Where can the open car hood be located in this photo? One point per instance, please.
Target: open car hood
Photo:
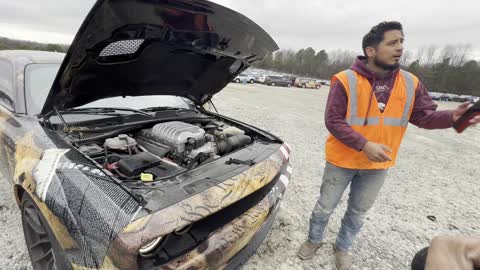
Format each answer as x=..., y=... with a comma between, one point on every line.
x=187, y=48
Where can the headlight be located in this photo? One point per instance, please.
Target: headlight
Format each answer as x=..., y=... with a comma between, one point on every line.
x=148, y=248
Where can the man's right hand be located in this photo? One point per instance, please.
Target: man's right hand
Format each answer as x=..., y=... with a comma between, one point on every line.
x=377, y=152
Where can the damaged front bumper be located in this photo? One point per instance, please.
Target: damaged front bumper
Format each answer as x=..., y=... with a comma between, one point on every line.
x=225, y=224
x=230, y=246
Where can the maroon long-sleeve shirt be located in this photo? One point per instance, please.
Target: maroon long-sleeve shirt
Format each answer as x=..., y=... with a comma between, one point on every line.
x=424, y=113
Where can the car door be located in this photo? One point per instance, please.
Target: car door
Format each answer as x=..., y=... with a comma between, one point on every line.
x=7, y=121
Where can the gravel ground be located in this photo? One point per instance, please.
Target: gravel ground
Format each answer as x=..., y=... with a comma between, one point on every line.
x=435, y=175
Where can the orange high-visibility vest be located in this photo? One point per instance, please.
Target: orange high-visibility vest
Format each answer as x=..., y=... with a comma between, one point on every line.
x=385, y=128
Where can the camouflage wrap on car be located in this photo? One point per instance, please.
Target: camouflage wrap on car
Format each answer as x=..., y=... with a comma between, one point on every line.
x=102, y=226
x=125, y=247
x=85, y=208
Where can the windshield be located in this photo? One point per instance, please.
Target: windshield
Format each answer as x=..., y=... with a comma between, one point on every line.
x=141, y=102
x=38, y=81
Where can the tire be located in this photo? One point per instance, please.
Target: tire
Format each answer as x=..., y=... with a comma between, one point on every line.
x=304, y=86
x=237, y=80
x=272, y=84
x=252, y=81
x=43, y=248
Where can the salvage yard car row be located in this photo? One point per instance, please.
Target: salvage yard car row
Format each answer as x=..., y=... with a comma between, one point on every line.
x=281, y=80
x=453, y=97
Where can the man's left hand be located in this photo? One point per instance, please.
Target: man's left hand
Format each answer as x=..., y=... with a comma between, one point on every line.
x=453, y=253
x=461, y=109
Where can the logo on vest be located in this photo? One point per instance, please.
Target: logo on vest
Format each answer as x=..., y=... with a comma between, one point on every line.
x=381, y=88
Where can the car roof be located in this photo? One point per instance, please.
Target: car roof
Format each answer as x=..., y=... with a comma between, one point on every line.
x=33, y=56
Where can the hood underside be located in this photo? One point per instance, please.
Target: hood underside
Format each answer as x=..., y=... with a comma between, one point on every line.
x=185, y=48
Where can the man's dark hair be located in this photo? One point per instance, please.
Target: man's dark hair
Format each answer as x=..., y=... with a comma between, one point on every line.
x=376, y=34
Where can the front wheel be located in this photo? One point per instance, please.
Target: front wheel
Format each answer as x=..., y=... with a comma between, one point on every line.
x=252, y=81
x=42, y=246
x=272, y=84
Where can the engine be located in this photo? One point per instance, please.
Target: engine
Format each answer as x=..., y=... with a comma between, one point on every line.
x=166, y=149
x=181, y=140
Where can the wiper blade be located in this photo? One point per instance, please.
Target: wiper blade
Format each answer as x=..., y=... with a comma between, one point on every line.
x=105, y=110
x=160, y=108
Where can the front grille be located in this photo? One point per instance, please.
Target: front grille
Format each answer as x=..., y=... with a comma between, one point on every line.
x=175, y=245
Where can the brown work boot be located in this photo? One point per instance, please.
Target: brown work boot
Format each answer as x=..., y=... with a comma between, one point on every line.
x=307, y=250
x=343, y=259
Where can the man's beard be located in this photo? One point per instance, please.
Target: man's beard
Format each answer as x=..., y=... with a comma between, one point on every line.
x=384, y=65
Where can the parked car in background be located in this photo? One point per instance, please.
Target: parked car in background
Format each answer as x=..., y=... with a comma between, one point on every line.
x=244, y=78
x=464, y=98
x=435, y=95
x=261, y=79
x=318, y=84
x=292, y=78
x=324, y=82
x=307, y=83
x=445, y=97
x=275, y=80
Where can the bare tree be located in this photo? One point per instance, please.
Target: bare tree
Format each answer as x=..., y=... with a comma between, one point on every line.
x=446, y=54
x=431, y=51
x=455, y=55
x=461, y=54
x=420, y=55
x=406, y=58
x=341, y=57
x=339, y=60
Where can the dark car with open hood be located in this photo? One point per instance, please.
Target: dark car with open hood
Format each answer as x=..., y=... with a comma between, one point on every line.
x=113, y=160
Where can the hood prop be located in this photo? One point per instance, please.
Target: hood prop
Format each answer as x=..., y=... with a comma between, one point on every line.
x=65, y=125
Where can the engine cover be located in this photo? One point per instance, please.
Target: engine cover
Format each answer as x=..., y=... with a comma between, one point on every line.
x=176, y=135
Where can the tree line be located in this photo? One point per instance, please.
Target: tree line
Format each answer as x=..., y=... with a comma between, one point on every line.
x=12, y=44
x=447, y=70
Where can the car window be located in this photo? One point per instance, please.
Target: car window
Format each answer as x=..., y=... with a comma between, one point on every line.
x=38, y=81
x=6, y=84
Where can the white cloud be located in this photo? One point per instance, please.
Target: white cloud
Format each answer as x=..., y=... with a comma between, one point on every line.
x=25, y=33
x=320, y=24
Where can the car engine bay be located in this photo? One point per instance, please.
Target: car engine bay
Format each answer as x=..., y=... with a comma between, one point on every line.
x=164, y=150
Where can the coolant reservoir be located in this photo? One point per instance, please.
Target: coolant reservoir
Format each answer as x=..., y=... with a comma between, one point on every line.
x=121, y=142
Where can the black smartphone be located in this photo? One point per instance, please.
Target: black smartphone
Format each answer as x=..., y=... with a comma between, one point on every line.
x=463, y=122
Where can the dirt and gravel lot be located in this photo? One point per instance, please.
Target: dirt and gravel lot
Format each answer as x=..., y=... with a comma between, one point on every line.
x=437, y=174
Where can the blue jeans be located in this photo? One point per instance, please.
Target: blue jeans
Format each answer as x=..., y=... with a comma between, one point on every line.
x=364, y=188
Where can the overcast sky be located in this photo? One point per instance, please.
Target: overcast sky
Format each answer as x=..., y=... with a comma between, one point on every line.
x=296, y=24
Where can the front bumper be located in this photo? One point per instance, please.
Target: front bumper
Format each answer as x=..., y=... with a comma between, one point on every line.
x=230, y=246
x=226, y=219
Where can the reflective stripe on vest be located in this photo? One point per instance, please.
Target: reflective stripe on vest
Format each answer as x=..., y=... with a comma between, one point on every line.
x=372, y=121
